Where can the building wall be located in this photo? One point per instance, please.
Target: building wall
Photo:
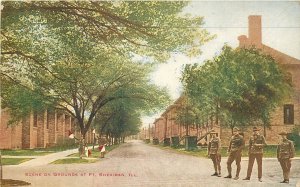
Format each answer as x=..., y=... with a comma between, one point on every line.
x=6, y=140
x=50, y=126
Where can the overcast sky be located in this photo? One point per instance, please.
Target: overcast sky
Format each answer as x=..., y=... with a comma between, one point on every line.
x=228, y=20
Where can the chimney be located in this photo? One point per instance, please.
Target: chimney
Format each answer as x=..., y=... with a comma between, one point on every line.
x=255, y=29
x=243, y=41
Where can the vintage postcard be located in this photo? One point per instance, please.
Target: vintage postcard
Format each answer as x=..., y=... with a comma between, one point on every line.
x=150, y=93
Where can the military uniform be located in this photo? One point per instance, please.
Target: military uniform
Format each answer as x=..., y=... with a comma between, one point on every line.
x=285, y=151
x=256, y=144
x=213, y=152
x=235, y=153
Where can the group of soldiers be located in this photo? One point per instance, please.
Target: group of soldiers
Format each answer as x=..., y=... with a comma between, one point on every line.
x=285, y=152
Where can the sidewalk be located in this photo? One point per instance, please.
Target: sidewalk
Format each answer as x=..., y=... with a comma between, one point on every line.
x=43, y=160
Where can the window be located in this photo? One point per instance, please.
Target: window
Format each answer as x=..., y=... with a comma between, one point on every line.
x=288, y=112
x=48, y=119
x=35, y=120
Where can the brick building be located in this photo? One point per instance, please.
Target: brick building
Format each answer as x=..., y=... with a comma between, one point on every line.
x=285, y=117
x=37, y=130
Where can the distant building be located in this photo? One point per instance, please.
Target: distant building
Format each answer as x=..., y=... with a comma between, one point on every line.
x=285, y=117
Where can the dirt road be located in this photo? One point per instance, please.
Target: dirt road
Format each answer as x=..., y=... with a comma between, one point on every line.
x=138, y=164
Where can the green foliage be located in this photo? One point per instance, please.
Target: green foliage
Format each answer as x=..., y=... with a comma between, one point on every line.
x=25, y=152
x=79, y=56
x=14, y=161
x=239, y=86
x=295, y=137
x=188, y=114
x=119, y=119
x=74, y=161
x=21, y=101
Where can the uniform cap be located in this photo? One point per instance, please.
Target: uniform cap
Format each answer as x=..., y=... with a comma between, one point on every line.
x=256, y=129
x=283, y=133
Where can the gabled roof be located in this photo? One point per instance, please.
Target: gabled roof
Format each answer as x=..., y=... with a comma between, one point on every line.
x=279, y=56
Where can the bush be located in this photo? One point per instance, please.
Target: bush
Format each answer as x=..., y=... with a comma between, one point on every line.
x=295, y=137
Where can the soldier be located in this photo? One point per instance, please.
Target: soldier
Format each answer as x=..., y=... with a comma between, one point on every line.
x=214, y=152
x=285, y=153
x=256, y=144
x=235, y=152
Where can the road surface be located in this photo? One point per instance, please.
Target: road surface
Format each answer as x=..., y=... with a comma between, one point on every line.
x=139, y=164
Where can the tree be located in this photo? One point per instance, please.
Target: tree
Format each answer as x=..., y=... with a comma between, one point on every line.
x=187, y=114
x=78, y=56
x=122, y=118
x=244, y=85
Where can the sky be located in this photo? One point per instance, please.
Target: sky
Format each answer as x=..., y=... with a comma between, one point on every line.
x=228, y=20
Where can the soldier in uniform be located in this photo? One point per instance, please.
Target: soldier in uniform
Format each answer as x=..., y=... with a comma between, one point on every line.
x=235, y=152
x=256, y=144
x=213, y=152
x=285, y=153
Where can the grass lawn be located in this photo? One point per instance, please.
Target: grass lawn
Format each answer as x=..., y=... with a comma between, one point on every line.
x=74, y=161
x=38, y=151
x=25, y=152
x=14, y=161
x=269, y=151
x=11, y=182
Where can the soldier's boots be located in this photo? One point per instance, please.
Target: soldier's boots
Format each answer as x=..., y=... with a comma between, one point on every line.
x=236, y=178
x=215, y=174
x=259, y=179
x=219, y=174
x=285, y=181
x=247, y=178
x=228, y=176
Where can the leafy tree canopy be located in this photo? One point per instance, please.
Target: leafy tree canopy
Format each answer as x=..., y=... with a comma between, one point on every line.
x=240, y=85
x=78, y=56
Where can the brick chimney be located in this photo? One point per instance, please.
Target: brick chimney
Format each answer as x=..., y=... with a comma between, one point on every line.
x=254, y=31
x=243, y=41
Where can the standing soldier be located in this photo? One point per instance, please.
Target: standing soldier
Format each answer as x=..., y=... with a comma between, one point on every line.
x=235, y=152
x=214, y=152
x=256, y=144
x=285, y=153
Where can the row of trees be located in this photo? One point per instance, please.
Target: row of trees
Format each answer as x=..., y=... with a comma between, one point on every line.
x=91, y=59
x=237, y=87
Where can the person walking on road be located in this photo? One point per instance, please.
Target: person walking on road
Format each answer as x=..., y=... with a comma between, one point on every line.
x=256, y=144
x=213, y=149
x=235, y=148
x=285, y=153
